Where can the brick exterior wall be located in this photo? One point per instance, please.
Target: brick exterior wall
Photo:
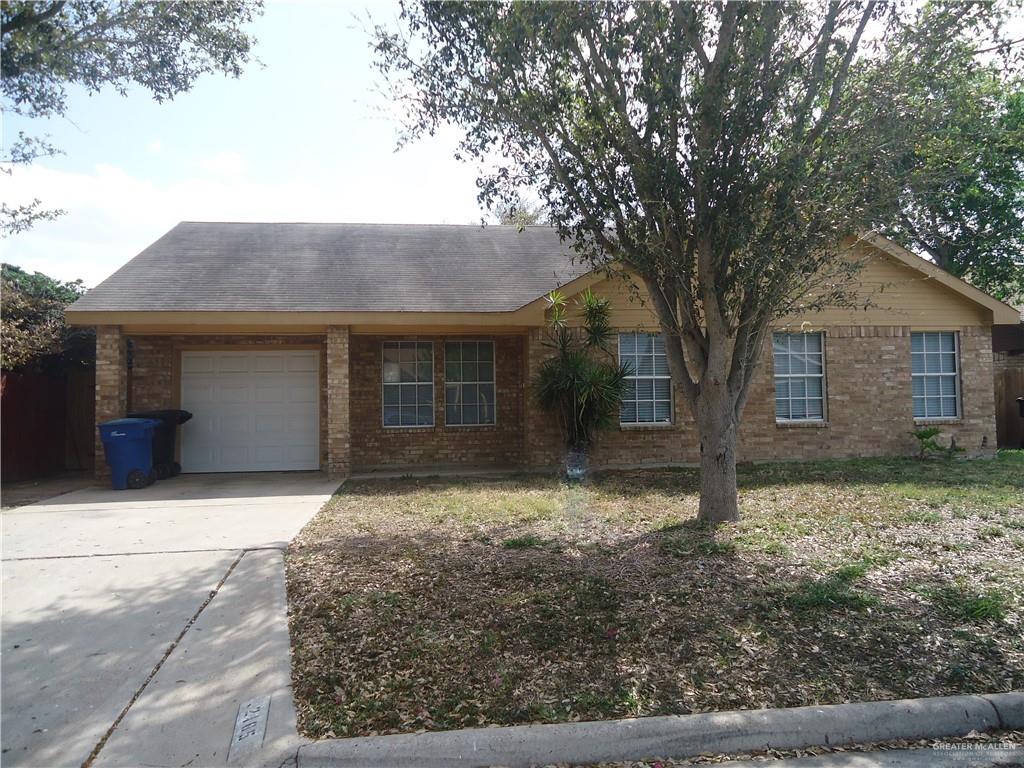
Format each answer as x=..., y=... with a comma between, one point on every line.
x=111, y=385
x=869, y=410
x=155, y=383
x=868, y=387
x=339, y=444
x=374, y=446
x=542, y=441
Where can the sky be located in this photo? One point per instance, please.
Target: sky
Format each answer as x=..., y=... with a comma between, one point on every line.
x=303, y=136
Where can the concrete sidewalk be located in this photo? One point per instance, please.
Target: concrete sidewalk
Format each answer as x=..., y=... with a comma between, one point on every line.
x=136, y=622
x=237, y=650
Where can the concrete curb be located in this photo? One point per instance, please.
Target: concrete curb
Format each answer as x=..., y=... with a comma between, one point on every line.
x=898, y=758
x=1010, y=709
x=675, y=736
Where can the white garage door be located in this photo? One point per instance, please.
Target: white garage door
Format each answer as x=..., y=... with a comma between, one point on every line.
x=251, y=411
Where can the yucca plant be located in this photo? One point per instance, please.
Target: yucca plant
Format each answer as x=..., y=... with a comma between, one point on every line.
x=583, y=383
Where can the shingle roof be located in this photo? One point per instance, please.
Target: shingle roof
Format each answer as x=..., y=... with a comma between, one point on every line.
x=211, y=266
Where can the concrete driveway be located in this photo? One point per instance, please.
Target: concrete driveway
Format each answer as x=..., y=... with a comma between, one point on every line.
x=136, y=622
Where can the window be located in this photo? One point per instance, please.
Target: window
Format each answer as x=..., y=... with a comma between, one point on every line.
x=468, y=383
x=408, y=389
x=799, y=361
x=935, y=375
x=648, y=398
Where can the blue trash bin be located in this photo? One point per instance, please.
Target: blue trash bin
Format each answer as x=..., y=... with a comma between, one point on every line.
x=128, y=445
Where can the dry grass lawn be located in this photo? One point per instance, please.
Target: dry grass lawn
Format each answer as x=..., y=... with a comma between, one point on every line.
x=437, y=603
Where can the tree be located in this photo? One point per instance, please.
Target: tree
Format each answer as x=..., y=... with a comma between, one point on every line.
x=720, y=152
x=963, y=204
x=32, y=317
x=164, y=47
x=519, y=212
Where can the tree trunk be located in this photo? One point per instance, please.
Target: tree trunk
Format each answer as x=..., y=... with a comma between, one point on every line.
x=717, y=425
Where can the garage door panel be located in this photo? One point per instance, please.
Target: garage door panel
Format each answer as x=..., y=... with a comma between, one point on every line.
x=269, y=423
x=198, y=393
x=300, y=424
x=269, y=362
x=232, y=455
x=251, y=410
x=269, y=455
x=273, y=393
x=233, y=393
x=196, y=364
x=308, y=362
x=233, y=362
x=302, y=395
x=300, y=454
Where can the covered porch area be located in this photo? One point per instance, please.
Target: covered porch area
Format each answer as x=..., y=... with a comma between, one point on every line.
x=336, y=398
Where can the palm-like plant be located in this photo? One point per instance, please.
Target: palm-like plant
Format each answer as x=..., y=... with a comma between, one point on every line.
x=583, y=384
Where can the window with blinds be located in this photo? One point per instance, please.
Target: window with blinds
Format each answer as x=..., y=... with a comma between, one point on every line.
x=648, y=398
x=935, y=374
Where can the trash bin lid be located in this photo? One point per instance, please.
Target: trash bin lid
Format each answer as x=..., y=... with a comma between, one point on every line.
x=127, y=426
x=173, y=415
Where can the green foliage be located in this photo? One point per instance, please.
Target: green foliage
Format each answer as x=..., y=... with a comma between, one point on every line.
x=963, y=203
x=926, y=441
x=526, y=541
x=723, y=152
x=970, y=604
x=834, y=591
x=519, y=212
x=582, y=384
x=40, y=287
x=163, y=47
x=929, y=445
x=32, y=317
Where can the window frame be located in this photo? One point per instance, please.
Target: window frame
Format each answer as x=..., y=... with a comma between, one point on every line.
x=385, y=384
x=955, y=375
x=494, y=382
x=823, y=376
x=653, y=378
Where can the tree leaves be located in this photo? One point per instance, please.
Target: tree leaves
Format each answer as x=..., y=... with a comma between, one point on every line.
x=162, y=47
x=725, y=153
x=32, y=316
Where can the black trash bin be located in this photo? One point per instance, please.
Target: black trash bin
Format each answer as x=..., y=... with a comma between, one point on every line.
x=164, y=438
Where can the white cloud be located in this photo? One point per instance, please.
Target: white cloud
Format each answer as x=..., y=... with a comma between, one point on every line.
x=154, y=146
x=112, y=215
x=227, y=164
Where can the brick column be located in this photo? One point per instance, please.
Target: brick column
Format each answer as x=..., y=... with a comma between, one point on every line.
x=976, y=433
x=339, y=440
x=542, y=442
x=111, y=384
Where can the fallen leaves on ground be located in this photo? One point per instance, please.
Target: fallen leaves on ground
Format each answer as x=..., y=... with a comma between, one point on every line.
x=435, y=604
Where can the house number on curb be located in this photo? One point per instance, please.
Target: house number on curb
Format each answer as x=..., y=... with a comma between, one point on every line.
x=250, y=727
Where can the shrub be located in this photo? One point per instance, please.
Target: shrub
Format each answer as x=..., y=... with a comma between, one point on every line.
x=583, y=384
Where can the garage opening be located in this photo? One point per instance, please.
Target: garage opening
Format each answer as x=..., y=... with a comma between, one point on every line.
x=253, y=410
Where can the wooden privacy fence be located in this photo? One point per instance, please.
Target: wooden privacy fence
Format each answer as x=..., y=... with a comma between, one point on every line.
x=1009, y=381
x=46, y=423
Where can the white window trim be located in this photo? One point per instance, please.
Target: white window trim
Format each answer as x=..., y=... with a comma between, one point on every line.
x=823, y=419
x=955, y=375
x=494, y=370
x=671, y=389
x=433, y=383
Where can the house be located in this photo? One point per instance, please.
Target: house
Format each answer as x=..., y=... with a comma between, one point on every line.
x=354, y=347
